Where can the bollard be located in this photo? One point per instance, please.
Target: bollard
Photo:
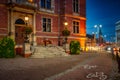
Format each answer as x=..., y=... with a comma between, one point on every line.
x=118, y=61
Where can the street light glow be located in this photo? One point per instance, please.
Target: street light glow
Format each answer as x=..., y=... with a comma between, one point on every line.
x=65, y=23
x=26, y=18
x=100, y=26
x=95, y=26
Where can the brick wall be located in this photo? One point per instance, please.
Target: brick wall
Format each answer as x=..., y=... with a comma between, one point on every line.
x=3, y=1
x=3, y=20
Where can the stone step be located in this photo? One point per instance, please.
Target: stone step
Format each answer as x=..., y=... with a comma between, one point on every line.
x=44, y=52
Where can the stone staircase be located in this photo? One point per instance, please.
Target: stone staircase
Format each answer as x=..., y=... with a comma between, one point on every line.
x=48, y=51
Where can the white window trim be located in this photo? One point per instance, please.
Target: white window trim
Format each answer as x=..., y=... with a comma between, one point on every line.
x=42, y=24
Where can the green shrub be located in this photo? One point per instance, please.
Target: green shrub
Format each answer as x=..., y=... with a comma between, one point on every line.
x=7, y=48
x=74, y=47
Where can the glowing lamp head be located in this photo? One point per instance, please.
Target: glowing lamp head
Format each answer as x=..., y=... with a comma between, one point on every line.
x=66, y=23
x=26, y=18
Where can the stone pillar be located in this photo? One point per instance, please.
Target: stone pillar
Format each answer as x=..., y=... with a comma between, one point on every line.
x=67, y=48
x=11, y=29
x=34, y=29
x=26, y=50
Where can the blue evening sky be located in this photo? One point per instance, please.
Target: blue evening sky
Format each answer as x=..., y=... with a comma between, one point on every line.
x=105, y=13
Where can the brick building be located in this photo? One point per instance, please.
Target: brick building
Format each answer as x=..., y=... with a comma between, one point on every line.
x=46, y=17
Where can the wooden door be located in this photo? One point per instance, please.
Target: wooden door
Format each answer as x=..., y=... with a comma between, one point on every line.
x=19, y=36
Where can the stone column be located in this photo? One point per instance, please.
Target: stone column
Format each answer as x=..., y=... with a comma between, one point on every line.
x=11, y=28
x=66, y=47
x=27, y=52
x=34, y=29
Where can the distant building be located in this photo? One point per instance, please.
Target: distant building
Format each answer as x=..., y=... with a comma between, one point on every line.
x=91, y=40
x=118, y=33
x=46, y=17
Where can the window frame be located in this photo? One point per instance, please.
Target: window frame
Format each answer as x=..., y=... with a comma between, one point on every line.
x=47, y=24
x=75, y=6
x=76, y=27
x=46, y=3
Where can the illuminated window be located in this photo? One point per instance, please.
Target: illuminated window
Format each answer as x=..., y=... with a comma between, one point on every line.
x=75, y=27
x=46, y=24
x=75, y=6
x=46, y=4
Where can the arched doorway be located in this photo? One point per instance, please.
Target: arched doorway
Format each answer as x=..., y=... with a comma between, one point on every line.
x=19, y=35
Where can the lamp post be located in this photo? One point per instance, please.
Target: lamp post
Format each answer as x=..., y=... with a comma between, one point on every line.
x=26, y=36
x=94, y=36
x=65, y=24
x=98, y=32
x=66, y=33
x=27, y=51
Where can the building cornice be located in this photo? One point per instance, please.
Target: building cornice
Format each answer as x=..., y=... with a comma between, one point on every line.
x=24, y=10
x=46, y=13
x=73, y=16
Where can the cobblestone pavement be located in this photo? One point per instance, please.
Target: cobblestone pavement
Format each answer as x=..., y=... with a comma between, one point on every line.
x=86, y=66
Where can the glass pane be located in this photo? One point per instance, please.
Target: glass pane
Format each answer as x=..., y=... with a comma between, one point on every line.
x=44, y=27
x=42, y=4
x=77, y=23
x=77, y=8
x=44, y=20
x=48, y=4
x=48, y=28
x=49, y=20
x=73, y=29
x=77, y=29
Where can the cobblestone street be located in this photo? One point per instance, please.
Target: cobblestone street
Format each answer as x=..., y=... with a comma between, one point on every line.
x=86, y=66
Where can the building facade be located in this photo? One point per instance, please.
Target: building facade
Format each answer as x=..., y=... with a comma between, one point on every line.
x=46, y=17
x=117, y=33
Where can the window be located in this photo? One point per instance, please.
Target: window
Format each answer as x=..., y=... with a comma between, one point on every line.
x=46, y=4
x=46, y=25
x=18, y=1
x=21, y=1
x=75, y=27
x=75, y=6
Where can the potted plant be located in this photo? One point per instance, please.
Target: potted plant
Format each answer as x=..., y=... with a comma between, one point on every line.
x=27, y=31
x=66, y=33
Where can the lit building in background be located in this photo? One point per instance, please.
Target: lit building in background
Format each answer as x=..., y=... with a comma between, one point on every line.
x=118, y=33
x=46, y=17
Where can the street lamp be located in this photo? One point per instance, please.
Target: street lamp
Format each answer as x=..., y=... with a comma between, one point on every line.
x=94, y=36
x=65, y=32
x=26, y=19
x=26, y=36
x=98, y=32
x=65, y=23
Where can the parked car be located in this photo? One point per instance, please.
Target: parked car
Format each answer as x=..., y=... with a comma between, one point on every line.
x=109, y=49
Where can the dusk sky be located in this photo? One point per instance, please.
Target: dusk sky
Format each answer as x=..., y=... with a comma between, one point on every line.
x=105, y=13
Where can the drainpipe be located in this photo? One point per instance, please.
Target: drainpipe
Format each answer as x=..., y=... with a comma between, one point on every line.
x=58, y=22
